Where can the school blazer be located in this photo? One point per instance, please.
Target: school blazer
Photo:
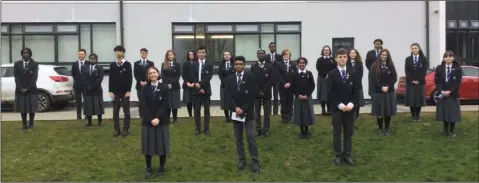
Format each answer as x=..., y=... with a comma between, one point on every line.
x=185, y=74
x=358, y=70
x=370, y=58
x=454, y=82
x=140, y=71
x=243, y=98
x=93, y=80
x=206, y=75
x=78, y=80
x=264, y=79
x=387, y=77
x=154, y=104
x=25, y=78
x=277, y=58
x=342, y=91
x=284, y=75
x=223, y=74
x=303, y=84
x=416, y=72
x=171, y=75
x=324, y=66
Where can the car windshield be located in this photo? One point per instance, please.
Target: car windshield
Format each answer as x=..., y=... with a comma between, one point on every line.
x=62, y=71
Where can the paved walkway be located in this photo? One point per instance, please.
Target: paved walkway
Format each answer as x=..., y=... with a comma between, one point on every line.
x=70, y=113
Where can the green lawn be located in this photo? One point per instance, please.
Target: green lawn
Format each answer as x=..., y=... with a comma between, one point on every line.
x=65, y=151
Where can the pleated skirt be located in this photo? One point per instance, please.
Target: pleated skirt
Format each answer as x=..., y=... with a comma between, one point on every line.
x=27, y=103
x=93, y=106
x=224, y=103
x=322, y=90
x=187, y=96
x=155, y=140
x=448, y=109
x=415, y=96
x=303, y=113
x=384, y=104
x=174, y=99
x=361, y=98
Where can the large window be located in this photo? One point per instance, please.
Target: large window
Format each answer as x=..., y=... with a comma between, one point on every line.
x=240, y=38
x=58, y=42
x=463, y=38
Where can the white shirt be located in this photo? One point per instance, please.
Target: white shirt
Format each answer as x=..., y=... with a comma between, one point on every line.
x=377, y=52
x=353, y=63
x=326, y=57
x=272, y=55
x=143, y=61
x=415, y=58
x=341, y=105
x=121, y=62
x=261, y=64
x=450, y=70
x=80, y=63
x=301, y=71
x=240, y=78
x=200, y=67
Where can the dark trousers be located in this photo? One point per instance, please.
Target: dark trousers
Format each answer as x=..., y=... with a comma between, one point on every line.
x=238, y=128
x=286, y=104
x=78, y=100
x=275, y=98
x=138, y=93
x=343, y=122
x=198, y=101
x=121, y=101
x=267, y=113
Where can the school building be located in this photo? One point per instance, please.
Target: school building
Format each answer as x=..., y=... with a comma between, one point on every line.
x=55, y=30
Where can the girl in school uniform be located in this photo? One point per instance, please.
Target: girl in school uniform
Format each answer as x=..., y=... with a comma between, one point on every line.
x=303, y=85
x=448, y=78
x=25, y=72
x=382, y=77
x=324, y=65
x=190, y=58
x=356, y=63
x=226, y=69
x=171, y=73
x=93, y=91
x=416, y=67
x=155, y=133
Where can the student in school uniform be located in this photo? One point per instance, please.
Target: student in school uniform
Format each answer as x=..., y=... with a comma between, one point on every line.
x=448, y=78
x=356, y=63
x=201, y=74
x=382, y=77
x=226, y=69
x=139, y=69
x=171, y=73
x=264, y=72
x=119, y=89
x=303, y=86
x=187, y=87
x=25, y=72
x=286, y=69
x=155, y=133
x=242, y=93
x=416, y=67
x=93, y=74
x=272, y=57
x=371, y=57
x=78, y=80
x=324, y=65
x=343, y=88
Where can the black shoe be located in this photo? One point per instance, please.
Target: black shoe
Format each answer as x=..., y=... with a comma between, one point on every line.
x=79, y=118
x=323, y=112
x=266, y=134
x=207, y=132
x=87, y=125
x=380, y=132
x=308, y=135
x=255, y=167
x=386, y=132
x=148, y=173
x=240, y=165
x=197, y=132
x=30, y=127
x=418, y=118
x=100, y=125
x=337, y=160
x=348, y=160
x=24, y=128
x=116, y=134
x=161, y=172
x=125, y=133
x=258, y=133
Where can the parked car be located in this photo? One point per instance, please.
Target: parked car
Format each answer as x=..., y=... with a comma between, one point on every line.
x=469, y=90
x=55, y=86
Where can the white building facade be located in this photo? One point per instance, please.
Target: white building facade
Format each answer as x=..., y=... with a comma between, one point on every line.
x=56, y=30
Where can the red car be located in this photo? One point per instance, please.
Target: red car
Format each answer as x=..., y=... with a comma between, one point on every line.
x=469, y=90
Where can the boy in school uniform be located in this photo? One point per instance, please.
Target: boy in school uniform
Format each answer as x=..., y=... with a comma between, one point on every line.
x=263, y=71
x=343, y=88
x=139, y=70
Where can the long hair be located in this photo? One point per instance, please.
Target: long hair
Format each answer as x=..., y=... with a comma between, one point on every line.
x=377, y=64
x=287, y=50
x=358, y=56
x=28, y=50
x=421, y=53
x=165, y=63
x=324, y=47
x=231, y=59
x=148, y=71
x=188, y=56
x=449, y=54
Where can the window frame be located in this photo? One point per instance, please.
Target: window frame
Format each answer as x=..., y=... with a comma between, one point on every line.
x=55, y=33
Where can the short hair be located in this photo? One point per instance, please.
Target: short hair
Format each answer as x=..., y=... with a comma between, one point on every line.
x=341, y=52
x=119, y=48
x=201, y=47
x=449, y=54
x=28, y=50
x=82, y=50
x=93, y=55
x=144, y=50
x=303, y=59
x=271, y=44
x=378, y=40
x=240, y=58
x=260, y=50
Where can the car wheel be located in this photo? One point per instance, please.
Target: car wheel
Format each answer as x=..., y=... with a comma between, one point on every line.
x=44, y=102
x=433, y=99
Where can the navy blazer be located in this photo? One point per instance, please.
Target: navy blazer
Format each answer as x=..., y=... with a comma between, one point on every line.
x=225, y=73
x=93, y=80
x=245, y=96
x=416, y=72
x=140, y=71
x=264, y=79
x=284, y=75
x=342, y=91
x=172, y=75
x=206, y=75
x=358, y=70
x=25, y=78
x=154, y=104
x=78, y=79
x=454, y=81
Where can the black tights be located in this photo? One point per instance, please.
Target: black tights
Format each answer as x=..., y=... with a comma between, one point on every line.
x=174, y=112
x=89, y=118
x=357, y=111
x=227, y=114
x=162, y=162
x=325, y=106
x=304, y=129
x=449, y=127
x=415, y=111
x=387, y=122
x=189, y=107
x=24, y=119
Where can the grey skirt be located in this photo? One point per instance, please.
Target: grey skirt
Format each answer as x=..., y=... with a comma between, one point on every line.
x=174, y=99
x=415, y=96
x=361, y=98
x=224, y=104
x=187, y=96
x=322, y=90
x=27, y=103
x=93, y=105
x=448, y=109
x=303, y=113
x=384, y=104
x=155, y=140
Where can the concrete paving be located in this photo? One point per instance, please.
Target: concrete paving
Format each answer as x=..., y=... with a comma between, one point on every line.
x=70, y=113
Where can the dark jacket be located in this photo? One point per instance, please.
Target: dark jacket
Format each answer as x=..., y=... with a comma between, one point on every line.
x=324, y=66
x=121, y=78
x=264, y=79
x=387, y=77
x=78, y=80
x=224, y=73
x=154, y=104
x=172, y=75
x=244, y=98
x=140, y=71
x=342, y=91
x=303, y=83
x=358, y=70
x=371, y=58
x=455, y=79
x=277, y=58
x=284, y=75
x=25, y=78
x=186, y=72
x=93, y=80
x=416, y=72
x=206, y=75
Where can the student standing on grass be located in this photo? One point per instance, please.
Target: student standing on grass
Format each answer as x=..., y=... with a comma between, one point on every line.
x=78, y=80
x=187, y=86
x=155, y=133
x=324, y=65
x=25, y=72
x=226, y=69
x=93, y=91
x=286, y=69
x=171, y=73
x=382, y=78
x=371, y=57
x=273, y=58
x=303, y=85
x=264, y=72
x=119, y=88
x=448, y=78
x=356, y=63
x=139, y=69
x=416, y=67
x=242, y=92
x=343, y=89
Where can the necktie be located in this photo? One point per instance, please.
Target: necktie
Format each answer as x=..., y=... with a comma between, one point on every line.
x=153, y=88
x=377, y=53
x=227, y=65
x=119, y=64
x=171, y=64
x=25, y=65
x=287, y=66
x=143, y=63
x=81, y=66
x=353, y=63
x=343, y=74
x=239, y=80
x=91, y=69
x=272, y=57
x=448, y=73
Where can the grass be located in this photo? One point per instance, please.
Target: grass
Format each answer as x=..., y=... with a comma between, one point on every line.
x=65, y=151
